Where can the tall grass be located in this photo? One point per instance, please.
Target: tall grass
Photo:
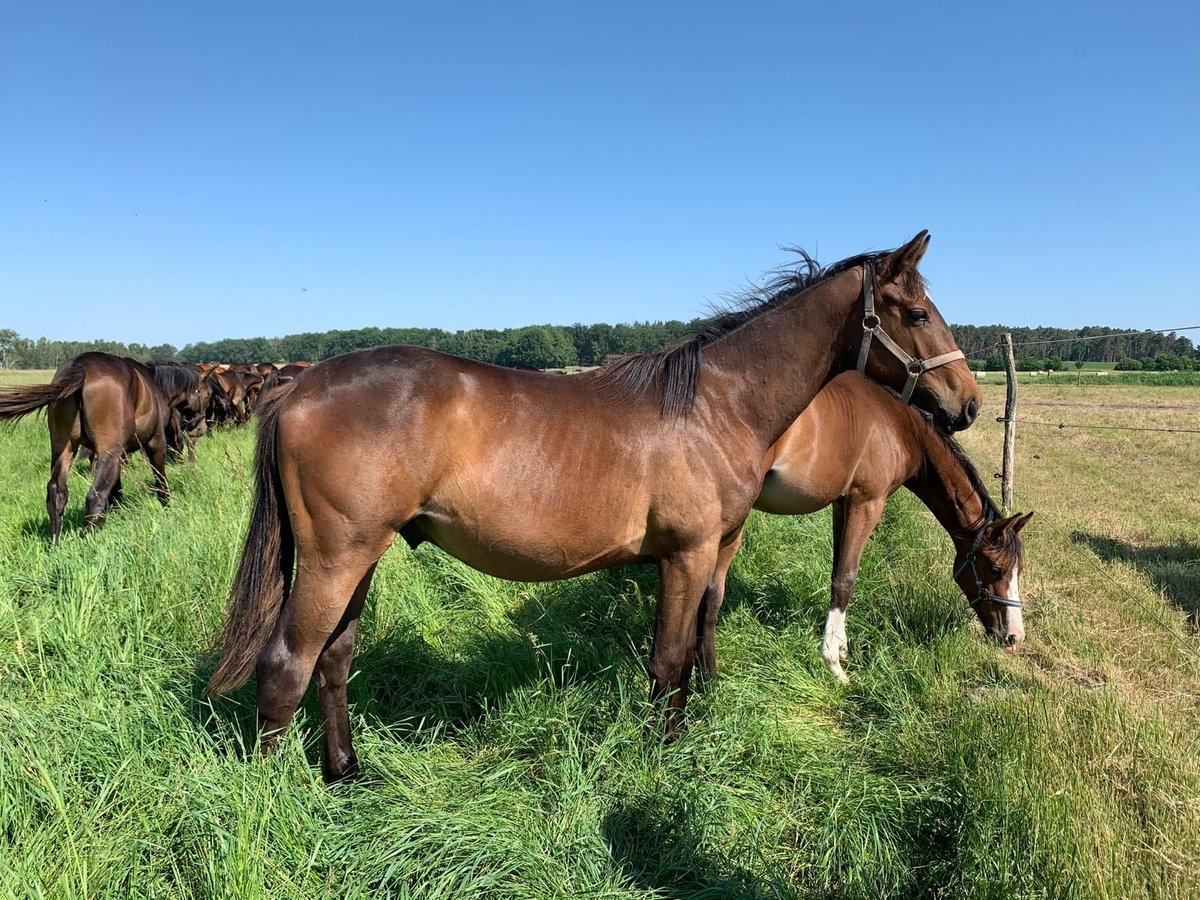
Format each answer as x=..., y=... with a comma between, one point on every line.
x=507, y=746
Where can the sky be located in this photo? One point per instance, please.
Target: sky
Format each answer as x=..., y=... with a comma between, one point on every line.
x=181, y=172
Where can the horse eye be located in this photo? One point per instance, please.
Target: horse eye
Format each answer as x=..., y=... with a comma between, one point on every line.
x=918, y=315
x=996, y=573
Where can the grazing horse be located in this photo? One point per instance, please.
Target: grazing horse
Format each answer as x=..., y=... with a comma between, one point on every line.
x=188, y=421
x=536, y=477
x=109, y=405
x=854, y=447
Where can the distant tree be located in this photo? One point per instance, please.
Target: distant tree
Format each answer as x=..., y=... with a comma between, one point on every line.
x=163, y=351
x=1128, y=364
x=1030, y=364
x=994, y=363
x=539, y=347
x=1078, y=364
x=1054, y=364
x=8, y=346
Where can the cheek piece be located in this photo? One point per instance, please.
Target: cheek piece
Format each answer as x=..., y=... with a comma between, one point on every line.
x=873, y=330
x=983, y=594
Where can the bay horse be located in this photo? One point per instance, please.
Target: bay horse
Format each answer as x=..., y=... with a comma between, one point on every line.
x=852, y=448
x=536, y=477
x=110, y=405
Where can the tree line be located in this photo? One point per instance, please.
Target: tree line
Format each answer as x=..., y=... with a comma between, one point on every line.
x=556, y=346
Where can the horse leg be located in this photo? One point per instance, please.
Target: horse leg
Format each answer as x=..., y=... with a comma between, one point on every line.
x=710, y=608
x=64, y=439
x=682, y=579
x=107, y=468
x=156, y=453
x=333, y=670
x=853, y=522
x=308, y=625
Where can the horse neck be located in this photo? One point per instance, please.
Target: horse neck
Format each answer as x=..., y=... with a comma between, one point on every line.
x=770, y=368
x=943, y=485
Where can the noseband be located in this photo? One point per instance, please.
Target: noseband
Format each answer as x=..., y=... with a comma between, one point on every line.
x=969, y=560
x=872, y=329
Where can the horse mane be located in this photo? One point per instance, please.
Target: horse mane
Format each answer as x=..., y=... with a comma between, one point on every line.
x=675, y=372
x=173, y=376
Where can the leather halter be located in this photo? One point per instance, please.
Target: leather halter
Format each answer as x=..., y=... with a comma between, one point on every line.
x=872, y=329
x=983, y=594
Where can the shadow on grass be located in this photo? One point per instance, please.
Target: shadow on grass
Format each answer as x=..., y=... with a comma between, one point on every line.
x=39, y=526
x=1172, y=568
x=582, y=629
x=660, y=847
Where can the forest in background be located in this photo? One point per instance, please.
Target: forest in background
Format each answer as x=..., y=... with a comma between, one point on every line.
x=556, y=346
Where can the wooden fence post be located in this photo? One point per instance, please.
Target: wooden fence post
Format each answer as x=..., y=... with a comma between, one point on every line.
x=1010, y=425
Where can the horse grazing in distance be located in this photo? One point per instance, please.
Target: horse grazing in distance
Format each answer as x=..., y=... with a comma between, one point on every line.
x=854, y=447
x=110, y=405
x=187, y=423
x=536, y=477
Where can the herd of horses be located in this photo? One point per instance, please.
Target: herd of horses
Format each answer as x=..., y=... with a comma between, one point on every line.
x=831, y=387
x=104, y=407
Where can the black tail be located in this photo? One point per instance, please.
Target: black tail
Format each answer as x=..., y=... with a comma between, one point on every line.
x=264, y=576
x=21, y=401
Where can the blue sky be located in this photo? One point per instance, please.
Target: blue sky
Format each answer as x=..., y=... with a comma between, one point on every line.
x=183, y=172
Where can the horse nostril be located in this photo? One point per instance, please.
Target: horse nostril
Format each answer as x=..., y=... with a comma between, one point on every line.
x=972, y=409
x=1010, y=641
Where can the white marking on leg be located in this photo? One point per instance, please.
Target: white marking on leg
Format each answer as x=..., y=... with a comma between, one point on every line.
x=1014, y=623
x=833, y=647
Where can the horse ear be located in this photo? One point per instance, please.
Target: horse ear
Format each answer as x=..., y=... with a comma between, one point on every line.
x=1021, y=521
x=905, y=258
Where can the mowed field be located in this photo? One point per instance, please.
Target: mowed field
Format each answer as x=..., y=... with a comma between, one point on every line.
x=507, y=745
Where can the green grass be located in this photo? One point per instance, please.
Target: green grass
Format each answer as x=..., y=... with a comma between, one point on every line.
x=507, y=746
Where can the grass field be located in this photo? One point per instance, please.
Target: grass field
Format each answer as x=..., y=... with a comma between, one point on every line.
x=503, y=731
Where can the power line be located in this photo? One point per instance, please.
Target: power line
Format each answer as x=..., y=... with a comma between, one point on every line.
x=1098, y=337
x=1091, y=337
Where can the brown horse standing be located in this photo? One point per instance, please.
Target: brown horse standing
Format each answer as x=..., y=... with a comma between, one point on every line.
x=854, y=447
x=537, y=477
x=110, y=405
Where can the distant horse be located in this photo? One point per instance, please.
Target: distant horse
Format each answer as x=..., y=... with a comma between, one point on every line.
x=188, y=422
x=536, y=477
x=232, y=390
x=110, y=405
x=251, y=381
x=854, y=447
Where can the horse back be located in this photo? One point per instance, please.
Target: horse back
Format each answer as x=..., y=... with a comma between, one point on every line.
x=559, y=477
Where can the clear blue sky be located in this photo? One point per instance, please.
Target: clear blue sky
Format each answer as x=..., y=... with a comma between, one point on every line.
x=181, y=172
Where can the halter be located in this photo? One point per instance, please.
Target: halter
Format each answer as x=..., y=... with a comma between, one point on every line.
x=983, y=591
x=873, y=329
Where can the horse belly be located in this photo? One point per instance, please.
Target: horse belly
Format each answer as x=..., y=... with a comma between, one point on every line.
x=797, y=491
x=512, y=546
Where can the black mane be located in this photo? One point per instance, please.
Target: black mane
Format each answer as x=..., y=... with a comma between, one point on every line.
x=173, y=376
x=1012, y=547
x=674, y=372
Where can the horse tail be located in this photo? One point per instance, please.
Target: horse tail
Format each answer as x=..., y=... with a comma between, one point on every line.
x=21, y=401
x=264, y=577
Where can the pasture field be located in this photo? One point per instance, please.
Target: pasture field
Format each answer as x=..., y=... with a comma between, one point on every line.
x=503, y=730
